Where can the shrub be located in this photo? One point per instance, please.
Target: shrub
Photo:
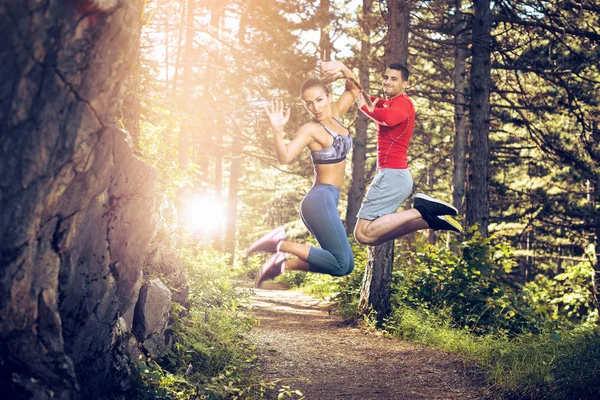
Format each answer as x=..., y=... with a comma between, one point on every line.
x=473, y=284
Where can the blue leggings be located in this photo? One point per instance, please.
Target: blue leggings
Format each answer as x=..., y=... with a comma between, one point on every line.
x=319, y=213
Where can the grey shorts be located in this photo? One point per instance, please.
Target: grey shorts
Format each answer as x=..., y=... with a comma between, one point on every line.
x=389, y=189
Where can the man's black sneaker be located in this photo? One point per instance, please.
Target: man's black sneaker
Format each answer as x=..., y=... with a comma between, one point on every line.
x=432, y=207
x=444, y=223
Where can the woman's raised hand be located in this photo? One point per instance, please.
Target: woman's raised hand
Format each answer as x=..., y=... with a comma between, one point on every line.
x=331, y=68
x=331, y=71
x=277, y=116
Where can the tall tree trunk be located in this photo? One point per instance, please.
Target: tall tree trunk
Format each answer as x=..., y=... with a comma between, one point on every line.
x=217, y=116
x=209, y=141
x=359, y=150
x=377, y=281
x=178, y=54
x=236, y=170
x=234, y=186
x=325, y=46
x=375, y=289
x=431, y=235
x=596, y=260
x=186, y=128
x=398, y=24
x=461, y=52
x=477, y=198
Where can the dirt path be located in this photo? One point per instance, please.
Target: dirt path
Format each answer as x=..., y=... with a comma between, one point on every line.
x=299, y=340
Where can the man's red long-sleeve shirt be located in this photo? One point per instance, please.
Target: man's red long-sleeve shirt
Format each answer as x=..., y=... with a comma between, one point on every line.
x=395, y=123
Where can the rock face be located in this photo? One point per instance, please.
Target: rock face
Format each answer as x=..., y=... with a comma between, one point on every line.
x=152, y=316
x=162, y=261
x=76, y=220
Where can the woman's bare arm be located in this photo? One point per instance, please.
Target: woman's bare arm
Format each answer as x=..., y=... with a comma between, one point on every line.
x=278, y=118
x=338, y=70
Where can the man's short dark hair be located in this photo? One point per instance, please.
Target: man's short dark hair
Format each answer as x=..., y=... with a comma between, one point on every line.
x=402, y=68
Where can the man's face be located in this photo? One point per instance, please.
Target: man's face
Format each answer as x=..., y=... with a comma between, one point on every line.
x=393, y=84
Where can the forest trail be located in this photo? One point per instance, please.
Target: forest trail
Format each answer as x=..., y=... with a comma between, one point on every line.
x=304, y=346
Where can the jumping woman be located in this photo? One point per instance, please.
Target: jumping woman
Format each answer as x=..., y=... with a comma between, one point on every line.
x=329, y=143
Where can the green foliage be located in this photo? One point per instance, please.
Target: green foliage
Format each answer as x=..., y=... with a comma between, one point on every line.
x=472, y=284
x=287, y=392
x=555, y=365
x=567, y=297
x=211, y=357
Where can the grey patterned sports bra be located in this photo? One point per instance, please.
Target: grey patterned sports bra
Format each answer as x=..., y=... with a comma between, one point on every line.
x=335, y=153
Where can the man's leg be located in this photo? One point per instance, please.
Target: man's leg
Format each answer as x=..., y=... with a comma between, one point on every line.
x=388, y=227
x=373, y=233
x=378, y=220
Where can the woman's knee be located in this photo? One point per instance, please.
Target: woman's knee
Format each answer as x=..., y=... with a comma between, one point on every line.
x=350, y=266
x=345, y=267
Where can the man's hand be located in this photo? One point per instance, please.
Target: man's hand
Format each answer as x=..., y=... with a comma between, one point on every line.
x=365, y=100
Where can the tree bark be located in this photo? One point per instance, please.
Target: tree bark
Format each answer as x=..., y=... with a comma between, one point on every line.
x=217, y=115
x=461, y=52
x=209, y=138
x=230, y=242
x=376, y=287
x=477, y=197
x=596, y=260
x=375, y=291
x=232, y=202
x=398, y=26
x=325, y=46
x=359, y=150
x=185, y=138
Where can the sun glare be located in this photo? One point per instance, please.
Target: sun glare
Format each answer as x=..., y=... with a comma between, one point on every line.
x=205, y=214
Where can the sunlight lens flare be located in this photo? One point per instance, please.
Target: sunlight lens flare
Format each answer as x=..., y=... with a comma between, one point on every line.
x=204, y=214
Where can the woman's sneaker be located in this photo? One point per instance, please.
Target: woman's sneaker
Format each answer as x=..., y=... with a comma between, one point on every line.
x=270, y=269
x=433, y=207
x=268, y=242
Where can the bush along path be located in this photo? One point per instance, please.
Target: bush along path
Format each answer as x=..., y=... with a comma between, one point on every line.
x=309, y=353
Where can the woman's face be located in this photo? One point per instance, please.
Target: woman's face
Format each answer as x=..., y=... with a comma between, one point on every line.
x=316, y=101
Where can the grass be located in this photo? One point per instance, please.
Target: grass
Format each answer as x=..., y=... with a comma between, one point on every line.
x=564, y=365
x=212, y=356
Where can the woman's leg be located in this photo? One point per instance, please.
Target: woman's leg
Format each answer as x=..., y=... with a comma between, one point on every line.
x=295, y=264
x=319, y=212
x=298, y=249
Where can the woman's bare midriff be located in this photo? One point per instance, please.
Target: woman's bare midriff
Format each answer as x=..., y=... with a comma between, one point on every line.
x=330, y=174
